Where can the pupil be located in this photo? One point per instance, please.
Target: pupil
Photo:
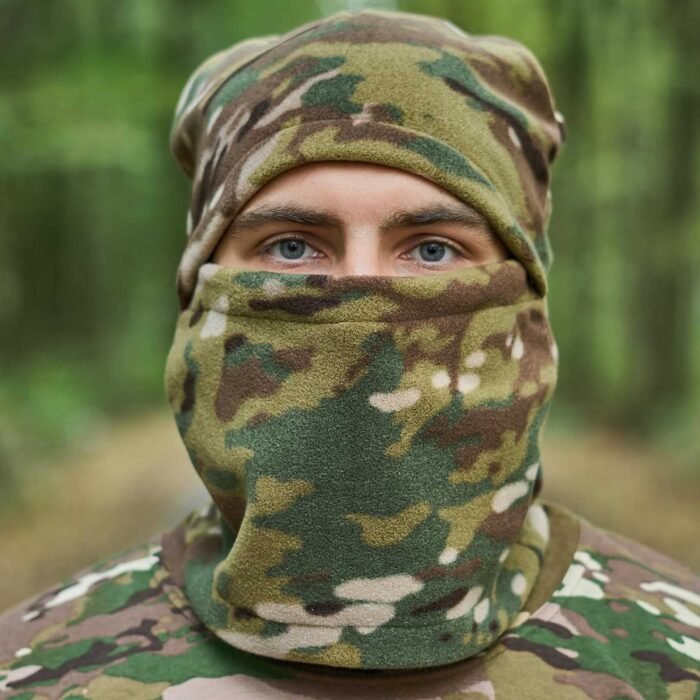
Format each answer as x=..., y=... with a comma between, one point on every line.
x=432, y=251
x=294, y=248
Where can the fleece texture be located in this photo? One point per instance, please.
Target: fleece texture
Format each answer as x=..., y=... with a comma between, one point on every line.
x=371, y=447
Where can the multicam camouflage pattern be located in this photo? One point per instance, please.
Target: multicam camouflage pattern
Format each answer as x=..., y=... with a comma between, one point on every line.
x=617, y=621
x=473, y=114
x=371, y=444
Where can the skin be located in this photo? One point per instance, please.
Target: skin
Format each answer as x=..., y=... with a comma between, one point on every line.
x=342, y=218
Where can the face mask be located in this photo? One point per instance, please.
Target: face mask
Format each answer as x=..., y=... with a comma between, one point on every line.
x=371, y=448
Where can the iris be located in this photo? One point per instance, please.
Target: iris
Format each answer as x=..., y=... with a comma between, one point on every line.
x=432, y=251
x=295, y=248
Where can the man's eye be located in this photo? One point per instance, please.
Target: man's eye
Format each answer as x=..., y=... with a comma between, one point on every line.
x=289, y=249
x=433, y=252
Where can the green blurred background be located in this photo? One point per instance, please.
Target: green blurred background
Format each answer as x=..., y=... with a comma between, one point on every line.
x=92, y=223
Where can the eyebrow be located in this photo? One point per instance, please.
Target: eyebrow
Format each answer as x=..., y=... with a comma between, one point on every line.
x=461, y=214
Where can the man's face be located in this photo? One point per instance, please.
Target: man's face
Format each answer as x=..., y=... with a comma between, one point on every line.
x=356, y=219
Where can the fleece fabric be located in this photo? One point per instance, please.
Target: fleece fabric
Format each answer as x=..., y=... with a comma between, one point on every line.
x=371, y=446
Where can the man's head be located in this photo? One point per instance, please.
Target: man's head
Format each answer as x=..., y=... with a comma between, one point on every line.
x=470, y=116
x=368, y=434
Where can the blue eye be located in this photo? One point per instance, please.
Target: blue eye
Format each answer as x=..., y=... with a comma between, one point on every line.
x=291, y=248
x=432, y=251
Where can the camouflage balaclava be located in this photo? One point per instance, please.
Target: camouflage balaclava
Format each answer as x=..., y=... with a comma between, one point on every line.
x=370, y=443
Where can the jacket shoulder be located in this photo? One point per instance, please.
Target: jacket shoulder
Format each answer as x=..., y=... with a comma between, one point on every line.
x=123, y=628
x=624, y=621
x=80, y=632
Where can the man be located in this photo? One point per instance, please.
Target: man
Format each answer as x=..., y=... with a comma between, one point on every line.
x=360, y=373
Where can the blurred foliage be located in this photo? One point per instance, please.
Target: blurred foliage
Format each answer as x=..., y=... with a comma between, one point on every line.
x=93, y=206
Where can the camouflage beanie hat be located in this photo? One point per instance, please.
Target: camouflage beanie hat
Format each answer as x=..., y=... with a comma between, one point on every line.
x=473, y=114
x=370, y=443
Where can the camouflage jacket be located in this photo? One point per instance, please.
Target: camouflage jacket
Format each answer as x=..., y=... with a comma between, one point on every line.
x=608, y=618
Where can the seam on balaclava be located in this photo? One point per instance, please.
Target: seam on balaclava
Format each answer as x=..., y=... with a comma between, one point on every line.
x=397, y=322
